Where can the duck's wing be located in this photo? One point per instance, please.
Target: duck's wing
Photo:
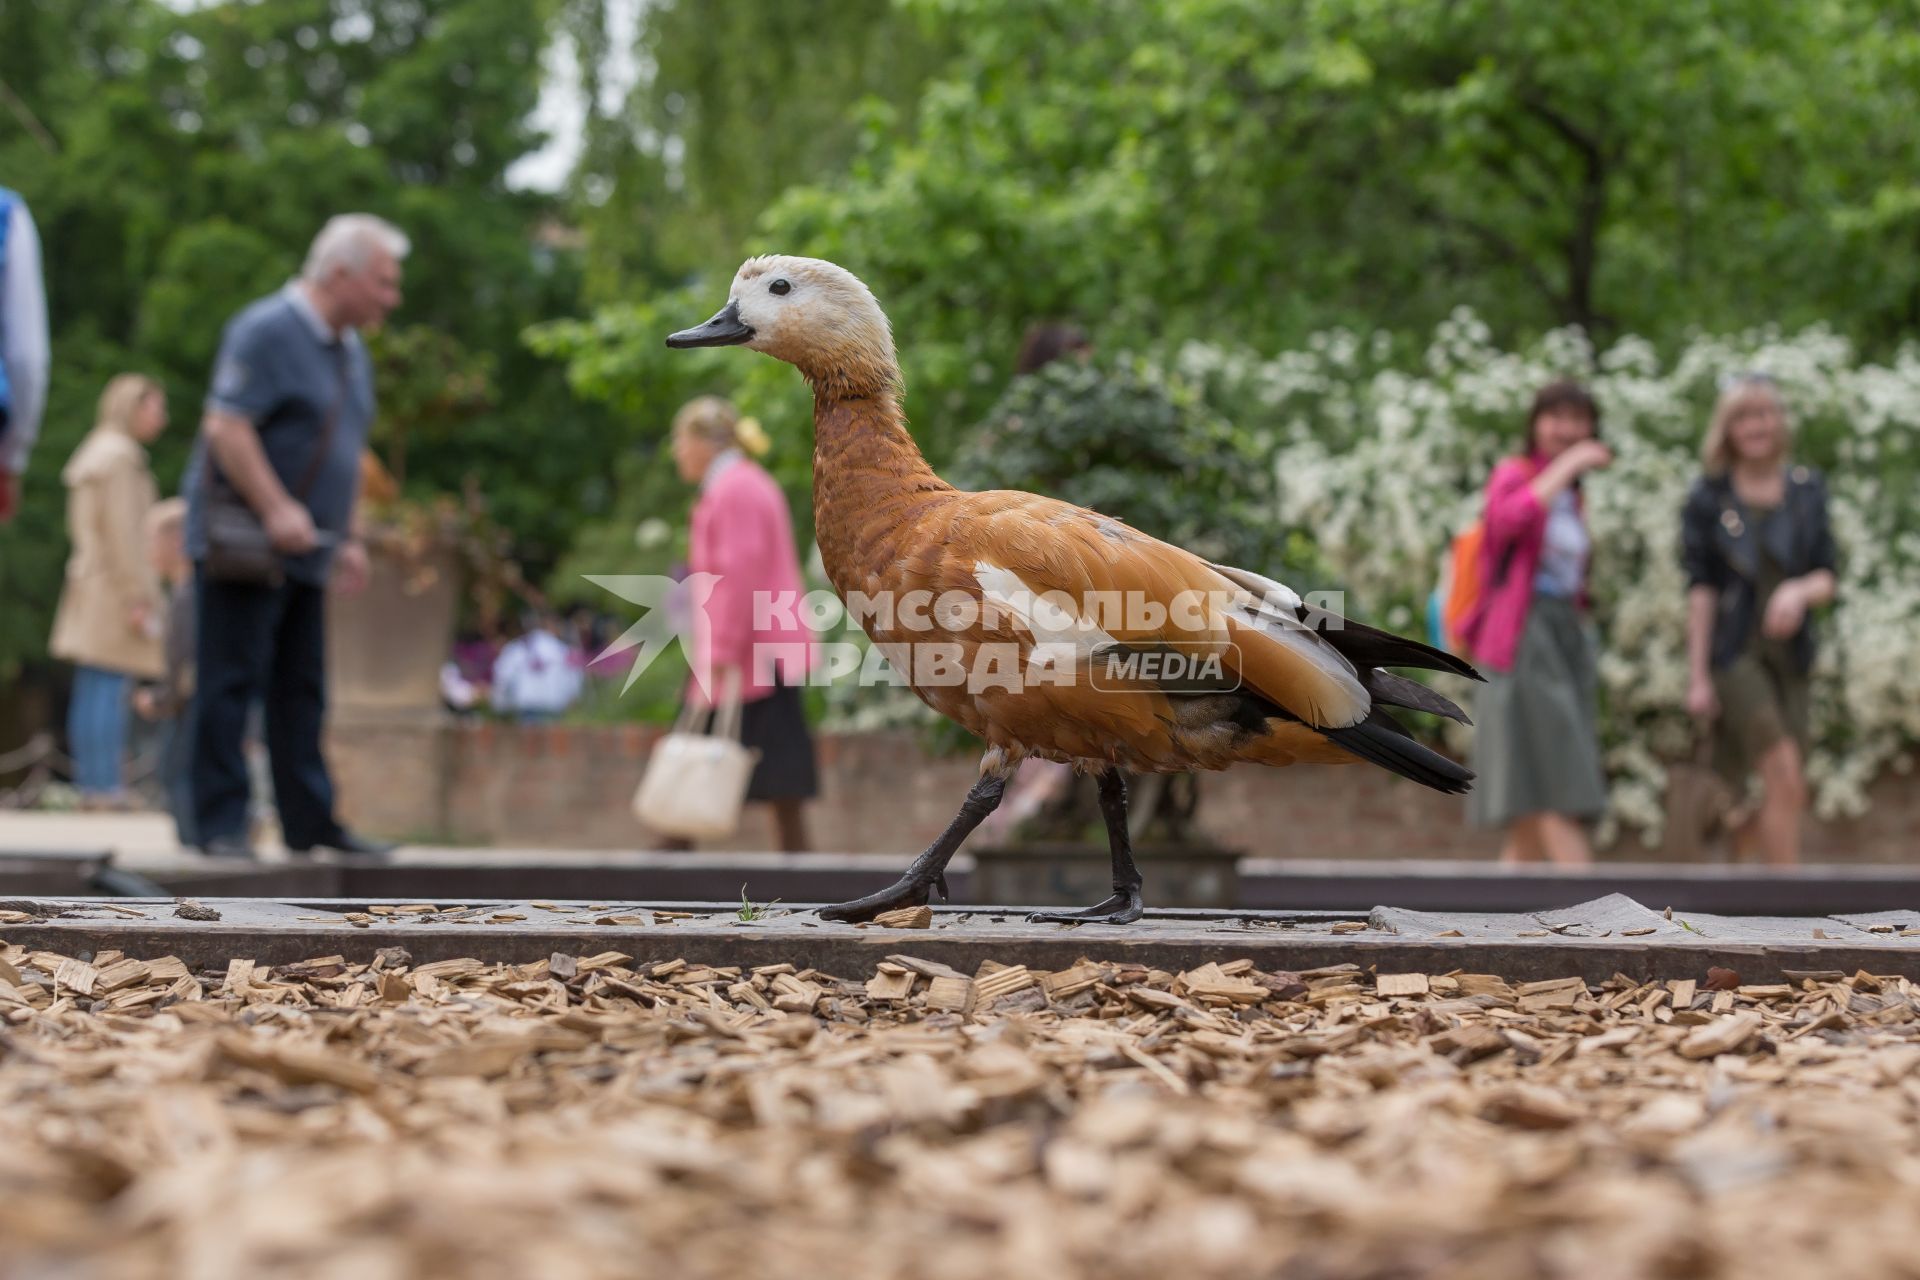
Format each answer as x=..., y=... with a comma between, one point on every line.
x=1073, y=577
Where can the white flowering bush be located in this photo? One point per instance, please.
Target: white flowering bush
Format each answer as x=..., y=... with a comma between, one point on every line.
x=1380, y=453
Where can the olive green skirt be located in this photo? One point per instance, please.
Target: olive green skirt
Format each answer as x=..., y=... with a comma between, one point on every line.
x=1762, y=700
x=1536, y=739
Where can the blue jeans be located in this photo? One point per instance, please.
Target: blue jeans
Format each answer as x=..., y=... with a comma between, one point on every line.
x=97, y=729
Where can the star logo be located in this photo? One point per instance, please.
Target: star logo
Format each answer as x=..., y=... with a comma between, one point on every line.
x=669, y=608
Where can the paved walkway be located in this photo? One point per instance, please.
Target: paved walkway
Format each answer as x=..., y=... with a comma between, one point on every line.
x=145, y=842
x=137, y=840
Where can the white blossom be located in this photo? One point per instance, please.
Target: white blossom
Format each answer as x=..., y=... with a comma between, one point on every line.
x=1382, y=464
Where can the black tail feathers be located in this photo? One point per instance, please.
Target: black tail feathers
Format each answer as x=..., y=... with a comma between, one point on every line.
x=1379, y=739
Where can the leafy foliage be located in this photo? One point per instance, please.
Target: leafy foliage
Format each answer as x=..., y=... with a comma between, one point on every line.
x=737, y=103
x=1131, y=445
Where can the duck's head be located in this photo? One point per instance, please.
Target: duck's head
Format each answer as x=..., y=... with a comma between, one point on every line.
x=816, y=316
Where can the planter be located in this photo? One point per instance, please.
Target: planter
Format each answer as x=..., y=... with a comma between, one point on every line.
x=1079, y=875
x=386, y=645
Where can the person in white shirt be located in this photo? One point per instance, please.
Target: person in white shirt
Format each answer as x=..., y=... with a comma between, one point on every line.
x=24, y=351
x=537, y=676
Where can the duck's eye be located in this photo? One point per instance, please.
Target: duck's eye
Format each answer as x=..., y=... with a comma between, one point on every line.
x=780, y=287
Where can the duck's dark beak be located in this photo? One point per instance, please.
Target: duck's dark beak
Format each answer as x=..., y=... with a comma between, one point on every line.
x=724, y=330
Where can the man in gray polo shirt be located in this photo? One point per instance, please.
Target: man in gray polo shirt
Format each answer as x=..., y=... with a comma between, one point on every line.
x=289, y=364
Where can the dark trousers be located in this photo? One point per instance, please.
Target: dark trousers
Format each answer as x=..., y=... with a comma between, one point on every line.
x=267, y=643
x=176, y=774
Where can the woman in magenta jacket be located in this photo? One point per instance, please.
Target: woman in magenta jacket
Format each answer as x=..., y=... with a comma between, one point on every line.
x=1536, y=747
x=750, y=632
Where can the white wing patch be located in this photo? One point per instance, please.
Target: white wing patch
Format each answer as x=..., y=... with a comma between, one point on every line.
x=1270, y=608
x=1270, y=595
x=1053, y=618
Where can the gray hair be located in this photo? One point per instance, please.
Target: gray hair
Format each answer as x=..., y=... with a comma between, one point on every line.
x=348, y=240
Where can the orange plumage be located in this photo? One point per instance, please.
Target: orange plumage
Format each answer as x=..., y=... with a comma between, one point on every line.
x=1025, y=582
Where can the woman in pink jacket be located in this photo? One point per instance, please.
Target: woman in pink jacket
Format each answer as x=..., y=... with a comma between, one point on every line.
x=1536, y=746
x=749, y=634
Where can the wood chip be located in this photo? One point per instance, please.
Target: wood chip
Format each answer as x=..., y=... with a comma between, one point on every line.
x=1401, y=984
x=1071, y=982
x=239, y=977
x=906, y=918
x=1001, y=982
x=1530, y=1107
x=1469, y=1043
x=1155, y=998
x=122, y=973
x=1723, y=1035
x=955, y=994
x=793, y=995
x=926, y=968
x=1483, y=984
x=298, y=1064
x=452, y=970
x=76, y=976
x=894, y=985
x=1156, y=1068
x=1212, y=984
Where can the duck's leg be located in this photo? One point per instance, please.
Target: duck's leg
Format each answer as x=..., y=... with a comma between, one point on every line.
x=930, y=868
x=1125, y=906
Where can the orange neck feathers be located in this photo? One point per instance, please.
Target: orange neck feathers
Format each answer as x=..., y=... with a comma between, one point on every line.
x=870, y=482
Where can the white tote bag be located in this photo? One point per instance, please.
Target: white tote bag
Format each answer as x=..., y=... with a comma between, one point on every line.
x=696, y=782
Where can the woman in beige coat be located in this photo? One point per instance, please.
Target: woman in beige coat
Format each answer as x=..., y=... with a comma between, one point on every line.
x=108, y=624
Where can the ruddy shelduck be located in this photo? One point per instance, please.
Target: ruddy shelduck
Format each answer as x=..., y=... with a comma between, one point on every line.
x=1050, y=630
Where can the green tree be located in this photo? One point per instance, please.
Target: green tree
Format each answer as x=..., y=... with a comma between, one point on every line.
x=179, y=163
x=734, y=104
x=1250, y=171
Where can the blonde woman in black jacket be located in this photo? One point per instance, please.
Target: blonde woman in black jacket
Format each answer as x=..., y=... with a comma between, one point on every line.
x=1759, y=554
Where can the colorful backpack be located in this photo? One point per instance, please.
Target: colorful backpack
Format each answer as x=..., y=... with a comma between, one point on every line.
x=1461, y=586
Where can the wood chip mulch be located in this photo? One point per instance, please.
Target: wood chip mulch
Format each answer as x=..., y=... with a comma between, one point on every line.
x=589, y=1117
